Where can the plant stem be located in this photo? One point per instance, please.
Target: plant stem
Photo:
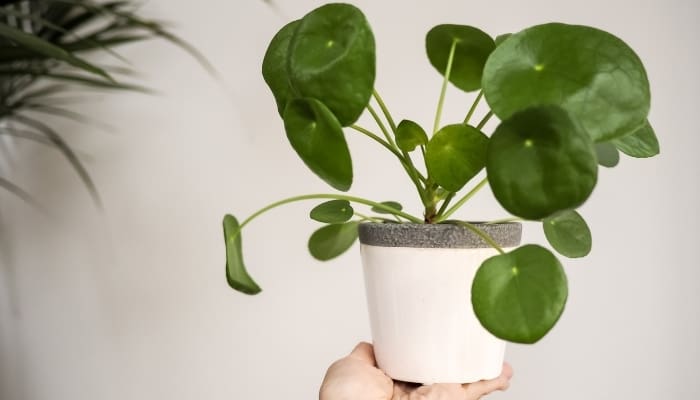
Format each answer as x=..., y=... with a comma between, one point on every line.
x=445, y=203
x=485, y=236
x=333, y=197
x=473, y=107
x=378, y=140
x=385, y=110
x=415, y=176
x=484, y=120
x=504, y=220
x=463, y=200
x=448, y=70
x=381, y=126
x=367, y=218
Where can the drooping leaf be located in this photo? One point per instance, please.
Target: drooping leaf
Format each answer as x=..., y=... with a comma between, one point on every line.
x=318, y=139
x=640, y=144
x=607, y=154
x=455, y=154
x=332, y=240
x=568, y=234
x=392, y=204
x=332, y=59
x=274, y=67
x=590, y=73
x=519, y=296
x=41, y=46
x=472, y=49
x=539, y=162
x=332, y=212
x=236, y=272
x=410, y=135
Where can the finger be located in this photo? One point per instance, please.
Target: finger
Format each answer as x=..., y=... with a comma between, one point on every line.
x=364, y=352
x=482, y=388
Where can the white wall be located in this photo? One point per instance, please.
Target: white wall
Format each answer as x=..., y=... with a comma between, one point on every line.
x=132, y=303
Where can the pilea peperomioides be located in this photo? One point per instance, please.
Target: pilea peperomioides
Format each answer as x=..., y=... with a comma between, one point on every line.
x=569, y=99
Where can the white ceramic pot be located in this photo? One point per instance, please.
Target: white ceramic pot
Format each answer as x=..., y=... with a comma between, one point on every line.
x=418, y=280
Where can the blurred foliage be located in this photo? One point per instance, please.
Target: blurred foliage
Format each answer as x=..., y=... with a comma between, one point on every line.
x=43, y=50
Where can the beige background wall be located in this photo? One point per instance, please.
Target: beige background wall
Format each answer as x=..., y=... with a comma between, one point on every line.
x=132, y=303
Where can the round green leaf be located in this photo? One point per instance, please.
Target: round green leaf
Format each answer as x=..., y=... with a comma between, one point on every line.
x=519, y=296
x=236, y=273
x=410, y=135
x=274, y=68
x=607, y=154
x=396, y=206
x=455, y=154
x=332, y=212
x=640, y=144
x=472, y=49
x=315, y=134
x=539, y=162
x=332, y=240
x=332, y=59
x=592, y=74
x=568, y=233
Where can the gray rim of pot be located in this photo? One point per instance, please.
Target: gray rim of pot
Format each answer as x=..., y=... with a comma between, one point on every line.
x=438, y=235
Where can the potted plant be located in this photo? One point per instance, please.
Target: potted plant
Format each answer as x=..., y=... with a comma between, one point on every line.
x=445, y=294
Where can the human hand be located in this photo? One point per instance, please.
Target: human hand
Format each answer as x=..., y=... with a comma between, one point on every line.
x=356, y=377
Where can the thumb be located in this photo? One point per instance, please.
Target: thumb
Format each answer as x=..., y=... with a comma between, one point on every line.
x=365, y=353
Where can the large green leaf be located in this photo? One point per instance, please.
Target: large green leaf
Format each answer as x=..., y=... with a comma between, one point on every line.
x=519, y=296
x=472, y=49
x=455, y=154
x=332, y=240
x=274, y=68
x=332, y=212
x=410, y=135
x=640, y=144
x=540, y=162
x=317, y=137
x=568, y=233
x=236, y=273
x=332, y=59
x=41, y=46
x=590, y=73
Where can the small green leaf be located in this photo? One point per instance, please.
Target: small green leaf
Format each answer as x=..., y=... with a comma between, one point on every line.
x=590, y=73
x=568, y=233
x=332, y=59
x=642, y=143
x=332, y=240
x=501, y=38
x=607, y=154
x=315, y=134
x=236, y=273
x=332, y=212
x=472, y=49
x=392, y=204
x=274, y=68
x=519, y=296
x=540, y=162
x=455, y=154
x=410, y=135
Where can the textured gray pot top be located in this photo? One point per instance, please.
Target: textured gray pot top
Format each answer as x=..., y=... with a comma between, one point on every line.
x=438, y=235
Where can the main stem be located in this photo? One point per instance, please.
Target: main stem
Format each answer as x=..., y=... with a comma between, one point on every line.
x=448, y=70
x=463, y=200
x=352, y=199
